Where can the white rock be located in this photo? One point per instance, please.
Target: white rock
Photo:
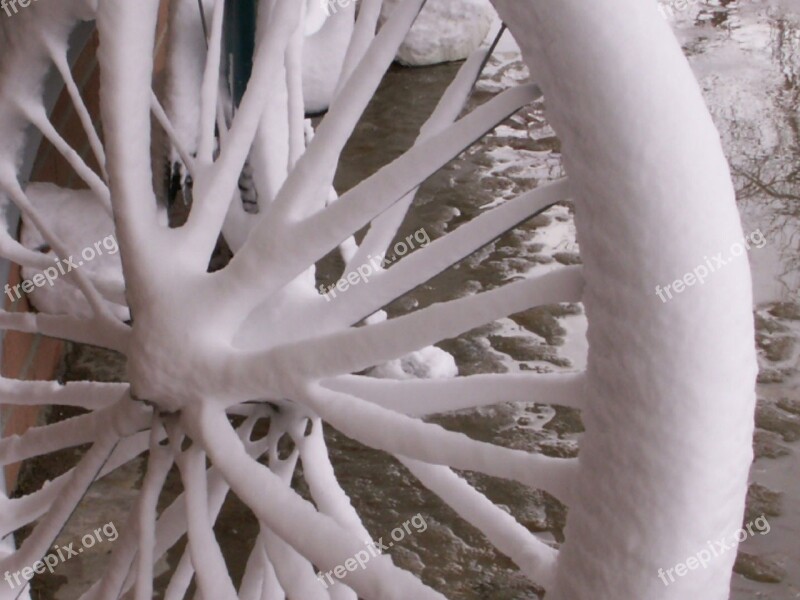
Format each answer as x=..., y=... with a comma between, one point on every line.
x=428, y=363
x=445, y=31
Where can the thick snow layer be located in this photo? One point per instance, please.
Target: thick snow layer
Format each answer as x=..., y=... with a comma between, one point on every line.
x=446, y=30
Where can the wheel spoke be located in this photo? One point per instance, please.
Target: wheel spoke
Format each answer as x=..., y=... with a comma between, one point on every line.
x=215, y=189
x=125, y=77
x=46, y=531
x=100, y=308
x=172, y=523
x=314, y=535
x=294, y=573
x=13, y=251
x=305, y=190
x=86, y=331
x=254, y=577
x=169, y=129
x=213, y=578
x=383, y=229
x=536, y=559
x=85, y=394
x=263, y=265
x=159, y=462
x=38, y=118
x=325, y=489
x=38, y=441
x=110, y=585
x=364, y=32
x=210, y=90
x=59, y=57
x=358, y=348
x=32, y=506
x=426, y=442
x=423, y=397
x=422, y=265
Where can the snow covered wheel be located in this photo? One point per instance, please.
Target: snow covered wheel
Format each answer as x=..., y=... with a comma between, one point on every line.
x=667, y=397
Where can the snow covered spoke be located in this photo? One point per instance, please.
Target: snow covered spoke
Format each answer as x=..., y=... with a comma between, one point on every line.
x=37, y=441
x=442, y=253
x=383, y=229
x=293, y=64
x=329, y=227
x=306, y=188
x=364, y=32
x=59, y=57
x=259, y=580
x=159, y=461
x=294, y=573
x=356, y=349
x=405, y=173
x=38, y=117
x=210, y=90
x=127, y=37
x=174, y=138
x=85, y=394
x=68, y=328
x=325, y=490
x=422, y=397
x=172, y=523
x=314, y=535
x=215, y=189
x=12, y=250
x=45, y=532
x=10, y=185
x=34, y=505
x=124, y=552
x=209, y=565
x=66, y=434
x=18, y=512
x=398, y=434
x=536, y=559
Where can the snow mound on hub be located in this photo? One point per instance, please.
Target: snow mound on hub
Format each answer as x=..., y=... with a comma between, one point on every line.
x=446, y=30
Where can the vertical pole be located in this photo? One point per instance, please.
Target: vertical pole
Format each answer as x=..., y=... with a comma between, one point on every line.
x=238, y=46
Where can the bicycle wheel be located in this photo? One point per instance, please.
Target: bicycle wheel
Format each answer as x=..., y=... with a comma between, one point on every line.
x=667, y=397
